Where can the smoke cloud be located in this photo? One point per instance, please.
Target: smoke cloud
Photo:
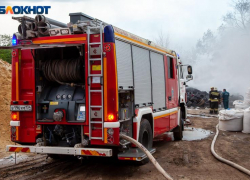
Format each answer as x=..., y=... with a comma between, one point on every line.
x=226, y=66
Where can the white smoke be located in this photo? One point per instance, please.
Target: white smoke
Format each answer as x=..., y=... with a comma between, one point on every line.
x=227, y=66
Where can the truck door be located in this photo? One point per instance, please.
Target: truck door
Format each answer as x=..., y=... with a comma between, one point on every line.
x=171, y=88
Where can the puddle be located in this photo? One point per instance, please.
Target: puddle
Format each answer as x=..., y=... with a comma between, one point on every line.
x=202, y=116
x=189, y=134
x=192, y=134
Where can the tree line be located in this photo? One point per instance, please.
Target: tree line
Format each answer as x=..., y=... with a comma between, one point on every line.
x=5, y=54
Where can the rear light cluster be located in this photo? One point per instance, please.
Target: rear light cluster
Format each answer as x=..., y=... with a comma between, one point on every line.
x=110, y=138
x=111, y=117
x=14, y=116
x=13, y=133
x=110, y=131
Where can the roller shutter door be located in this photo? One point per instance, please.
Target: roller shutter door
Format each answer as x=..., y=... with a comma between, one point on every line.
x=124, y=64
x=158, y=81
x=142, y=75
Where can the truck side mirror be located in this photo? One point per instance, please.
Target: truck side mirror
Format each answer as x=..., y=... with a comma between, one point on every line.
x=189, y=77
x=189, y=69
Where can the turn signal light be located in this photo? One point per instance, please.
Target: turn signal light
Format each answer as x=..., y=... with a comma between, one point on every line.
x=111, y=117
x=14, y=116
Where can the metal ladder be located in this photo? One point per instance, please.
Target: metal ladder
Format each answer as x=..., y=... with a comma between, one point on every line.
x=90, y=76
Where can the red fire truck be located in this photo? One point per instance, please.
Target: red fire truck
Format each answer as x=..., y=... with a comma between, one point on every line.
x=75, y=88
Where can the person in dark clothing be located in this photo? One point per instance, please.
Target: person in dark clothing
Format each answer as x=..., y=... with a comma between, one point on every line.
x=225, y=98
x=214, y=97
x=212, y=89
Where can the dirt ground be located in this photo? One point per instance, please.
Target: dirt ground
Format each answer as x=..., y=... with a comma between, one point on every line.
x=5, y=95
x=200, y=165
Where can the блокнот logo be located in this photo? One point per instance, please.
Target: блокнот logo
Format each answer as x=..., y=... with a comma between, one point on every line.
x=24, y=9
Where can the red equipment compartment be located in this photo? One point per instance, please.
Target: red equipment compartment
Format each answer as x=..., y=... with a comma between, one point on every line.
x=23, y=89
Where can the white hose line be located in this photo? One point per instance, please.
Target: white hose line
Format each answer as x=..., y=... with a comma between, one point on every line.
x=246, y=171
x=151, y=158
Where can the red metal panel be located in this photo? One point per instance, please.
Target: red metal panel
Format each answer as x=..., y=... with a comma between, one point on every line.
x=173, y=120
x=134, y=132
x=27, y=132
x=112, y=89
x=161, y=125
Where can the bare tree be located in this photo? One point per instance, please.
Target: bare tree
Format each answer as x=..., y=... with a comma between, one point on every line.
x=240, y=17
x=207, y=42
x=162, y=39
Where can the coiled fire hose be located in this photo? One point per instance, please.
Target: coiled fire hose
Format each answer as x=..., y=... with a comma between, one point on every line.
x=151, y=158
x=65, y=71
x=244, y=170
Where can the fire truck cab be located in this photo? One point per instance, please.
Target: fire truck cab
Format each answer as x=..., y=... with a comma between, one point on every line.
x=75, y=90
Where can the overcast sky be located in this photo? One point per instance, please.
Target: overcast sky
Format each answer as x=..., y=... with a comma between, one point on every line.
x=184, y=20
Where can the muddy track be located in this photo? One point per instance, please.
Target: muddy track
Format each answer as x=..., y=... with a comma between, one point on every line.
x=24, y=169
x=23, y=164
x=201, y=165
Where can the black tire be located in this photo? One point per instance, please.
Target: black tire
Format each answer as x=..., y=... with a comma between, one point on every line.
x=178, y=131
x=145, y=138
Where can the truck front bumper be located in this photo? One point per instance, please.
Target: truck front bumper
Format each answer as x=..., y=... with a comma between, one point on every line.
x=60, y=150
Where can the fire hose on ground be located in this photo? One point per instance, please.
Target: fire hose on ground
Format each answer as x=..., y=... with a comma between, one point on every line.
x=240, y=168
x=151, y=158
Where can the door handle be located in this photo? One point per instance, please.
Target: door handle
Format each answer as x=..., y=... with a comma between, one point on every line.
x=169, y=98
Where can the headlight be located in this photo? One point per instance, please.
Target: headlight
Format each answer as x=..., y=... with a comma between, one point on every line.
x=21, y=108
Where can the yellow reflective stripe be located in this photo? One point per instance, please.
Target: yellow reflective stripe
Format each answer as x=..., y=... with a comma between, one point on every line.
x=17, y=133
x=94, y=153
x=116, y=81
x=215, y=93
x=59, y=40
x=18, y=149
x=214, y=100
x=164, y=115
x=105, y=135
x=141, y=43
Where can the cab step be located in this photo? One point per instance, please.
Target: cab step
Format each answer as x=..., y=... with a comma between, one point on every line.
x=134, y=154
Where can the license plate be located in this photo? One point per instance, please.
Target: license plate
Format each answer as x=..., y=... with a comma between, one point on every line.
x=21, y=108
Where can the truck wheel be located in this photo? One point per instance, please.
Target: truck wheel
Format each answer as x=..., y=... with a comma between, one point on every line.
x=178, y=131
x=145, y=138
